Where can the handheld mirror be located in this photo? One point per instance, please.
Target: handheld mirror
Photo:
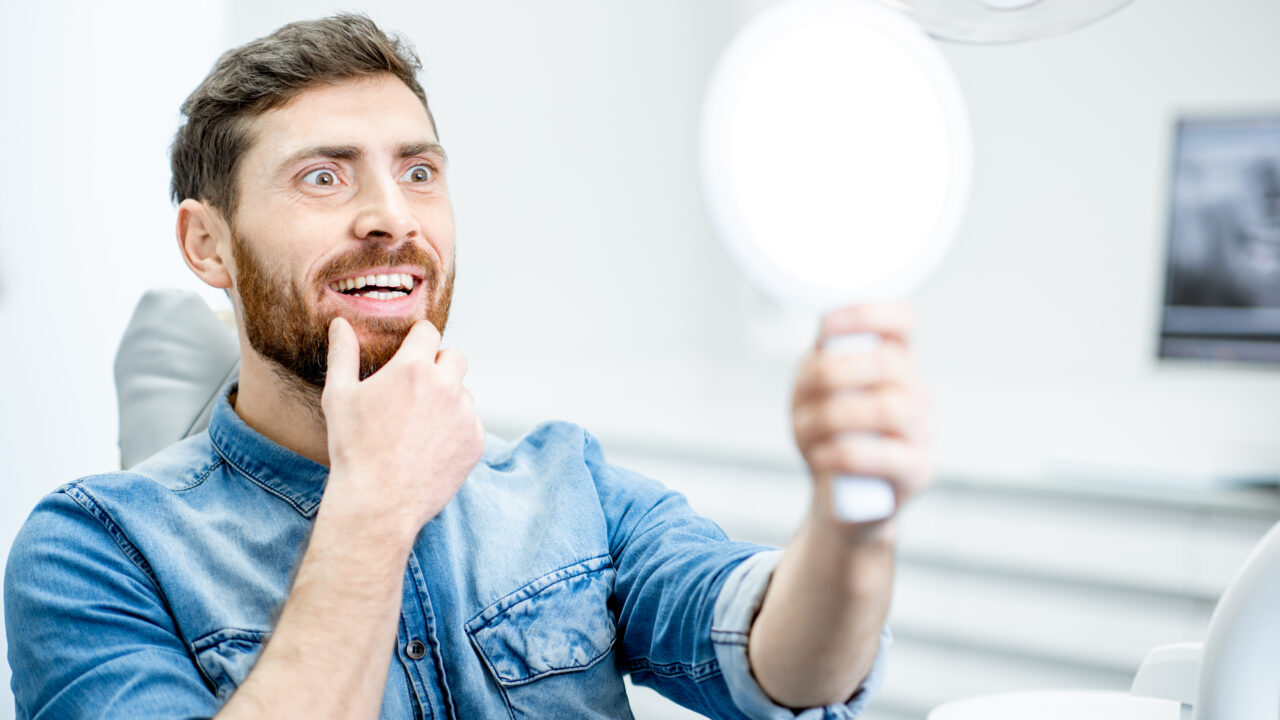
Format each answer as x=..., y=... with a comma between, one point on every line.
x=836, y=160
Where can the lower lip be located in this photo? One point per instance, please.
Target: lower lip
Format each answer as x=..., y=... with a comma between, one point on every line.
x=380, y=308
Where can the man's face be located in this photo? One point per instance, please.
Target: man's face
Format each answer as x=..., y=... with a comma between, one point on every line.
x=344, y=210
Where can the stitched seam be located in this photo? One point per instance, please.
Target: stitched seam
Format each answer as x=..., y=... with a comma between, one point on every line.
x=698, y=671
x=533, y=582
x=253, y=478
x=199, y=479
x=730, y=637
x=559, y=670
x=581, y=568
x=80, y=496
x=207, y=641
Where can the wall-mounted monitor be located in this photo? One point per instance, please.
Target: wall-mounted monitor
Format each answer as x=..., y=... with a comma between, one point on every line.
x=1222, y=283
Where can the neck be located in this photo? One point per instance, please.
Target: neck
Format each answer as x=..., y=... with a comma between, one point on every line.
x=281, y=407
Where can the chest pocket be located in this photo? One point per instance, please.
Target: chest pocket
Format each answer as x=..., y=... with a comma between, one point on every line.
x=549, y=645
x=226, y=657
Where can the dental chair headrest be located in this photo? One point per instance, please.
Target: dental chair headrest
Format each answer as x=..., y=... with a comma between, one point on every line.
x=174, y=360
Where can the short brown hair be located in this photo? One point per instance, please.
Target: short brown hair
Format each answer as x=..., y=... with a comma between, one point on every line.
x=264, y=74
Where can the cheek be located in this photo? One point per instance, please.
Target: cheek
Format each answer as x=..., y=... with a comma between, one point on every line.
x=439, y=228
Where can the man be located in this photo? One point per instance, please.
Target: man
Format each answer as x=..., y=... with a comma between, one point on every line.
x=345, y=541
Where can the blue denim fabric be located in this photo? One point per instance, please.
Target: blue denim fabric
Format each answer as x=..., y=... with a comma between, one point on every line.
x=150, y=593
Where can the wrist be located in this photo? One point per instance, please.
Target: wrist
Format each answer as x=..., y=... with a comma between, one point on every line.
x=366, y=517
x=875, y=535
x=363, y=533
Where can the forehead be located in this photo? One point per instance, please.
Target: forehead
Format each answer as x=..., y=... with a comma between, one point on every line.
x=373, y=112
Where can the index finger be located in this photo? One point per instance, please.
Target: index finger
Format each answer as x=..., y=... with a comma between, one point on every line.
x=342, y=367
x=423, y=339
x=889, y=319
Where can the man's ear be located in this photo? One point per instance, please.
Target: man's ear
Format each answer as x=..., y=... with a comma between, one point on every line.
x=204, y=239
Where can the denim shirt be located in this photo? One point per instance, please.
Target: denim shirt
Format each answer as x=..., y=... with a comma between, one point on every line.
x=150, y=593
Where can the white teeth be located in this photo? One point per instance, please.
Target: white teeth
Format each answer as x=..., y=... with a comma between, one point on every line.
x=392, y=280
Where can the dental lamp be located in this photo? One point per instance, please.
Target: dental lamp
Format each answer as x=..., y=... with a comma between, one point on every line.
x=1003, y=21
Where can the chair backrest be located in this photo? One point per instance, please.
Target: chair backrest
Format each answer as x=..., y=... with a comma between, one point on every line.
x=176, y=356
x=1240, y=668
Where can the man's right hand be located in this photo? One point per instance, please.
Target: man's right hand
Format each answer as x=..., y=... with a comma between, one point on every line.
x=402, y=441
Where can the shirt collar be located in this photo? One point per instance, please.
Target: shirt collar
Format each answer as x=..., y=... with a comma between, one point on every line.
x=278, y=470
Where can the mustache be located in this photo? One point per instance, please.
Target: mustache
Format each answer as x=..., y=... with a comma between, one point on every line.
x=375, y=255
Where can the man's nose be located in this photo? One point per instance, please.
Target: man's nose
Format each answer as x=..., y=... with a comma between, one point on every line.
x=384, y=212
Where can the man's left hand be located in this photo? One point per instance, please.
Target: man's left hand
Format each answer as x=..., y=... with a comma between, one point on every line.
x=865, y=413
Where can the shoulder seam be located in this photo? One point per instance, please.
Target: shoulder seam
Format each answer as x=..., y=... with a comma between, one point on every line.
x=81, y=496
x=218, y=462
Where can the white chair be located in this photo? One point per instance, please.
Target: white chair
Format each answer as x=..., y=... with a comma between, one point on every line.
x=1233, y=675
x=176, y=357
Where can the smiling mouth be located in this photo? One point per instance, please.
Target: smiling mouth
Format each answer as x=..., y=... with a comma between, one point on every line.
x=388, y=286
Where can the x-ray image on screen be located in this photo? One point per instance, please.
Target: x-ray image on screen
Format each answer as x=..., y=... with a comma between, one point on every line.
x=1222, y=297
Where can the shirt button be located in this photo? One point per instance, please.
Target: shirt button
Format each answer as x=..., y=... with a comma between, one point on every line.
x=415, y=650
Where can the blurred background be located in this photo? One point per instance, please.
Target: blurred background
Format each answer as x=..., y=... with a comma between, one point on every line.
x=1092, y=499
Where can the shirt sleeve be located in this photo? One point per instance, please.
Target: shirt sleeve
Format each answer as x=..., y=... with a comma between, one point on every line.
x=685, y=598
x=88, y=628
x=736, y=608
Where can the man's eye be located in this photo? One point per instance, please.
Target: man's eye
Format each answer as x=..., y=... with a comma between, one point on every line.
x=323, y=178
x=417, y=174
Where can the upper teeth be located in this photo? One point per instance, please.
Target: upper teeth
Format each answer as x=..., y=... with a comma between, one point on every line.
x=392, y=280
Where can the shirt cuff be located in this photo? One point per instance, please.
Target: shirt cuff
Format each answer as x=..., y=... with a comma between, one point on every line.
x=736, y=608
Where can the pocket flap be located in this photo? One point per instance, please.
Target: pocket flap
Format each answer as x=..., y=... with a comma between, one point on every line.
x=227, y=656
x=557, y=623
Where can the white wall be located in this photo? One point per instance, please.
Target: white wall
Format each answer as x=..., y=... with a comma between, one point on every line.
x=1039, y=332
x=590, y=287
x=90, y=101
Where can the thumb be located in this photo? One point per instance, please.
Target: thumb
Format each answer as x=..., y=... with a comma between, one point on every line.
x=343, y=366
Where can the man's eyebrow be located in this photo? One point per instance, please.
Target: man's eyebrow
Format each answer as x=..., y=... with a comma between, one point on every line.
x=336, y=152
x=352, y=152
x=423, y=148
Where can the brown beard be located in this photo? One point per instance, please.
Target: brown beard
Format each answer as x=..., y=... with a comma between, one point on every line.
x=286, y=329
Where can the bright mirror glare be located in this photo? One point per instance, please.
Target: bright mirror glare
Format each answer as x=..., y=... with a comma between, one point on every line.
x=835, y=152
x=834, y=191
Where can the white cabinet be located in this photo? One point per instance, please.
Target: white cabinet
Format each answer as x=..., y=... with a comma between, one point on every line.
x=1008, y=585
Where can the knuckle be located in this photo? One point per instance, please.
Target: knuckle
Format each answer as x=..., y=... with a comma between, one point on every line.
x=826, y=455
x=828, y=416
x=806, y=423
x=894, y=362
x=826, y=374
x=854, y=455
x=866, y=368
x=888, y=414
x=416, y=374
x=899, y=458
x=452, y=392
